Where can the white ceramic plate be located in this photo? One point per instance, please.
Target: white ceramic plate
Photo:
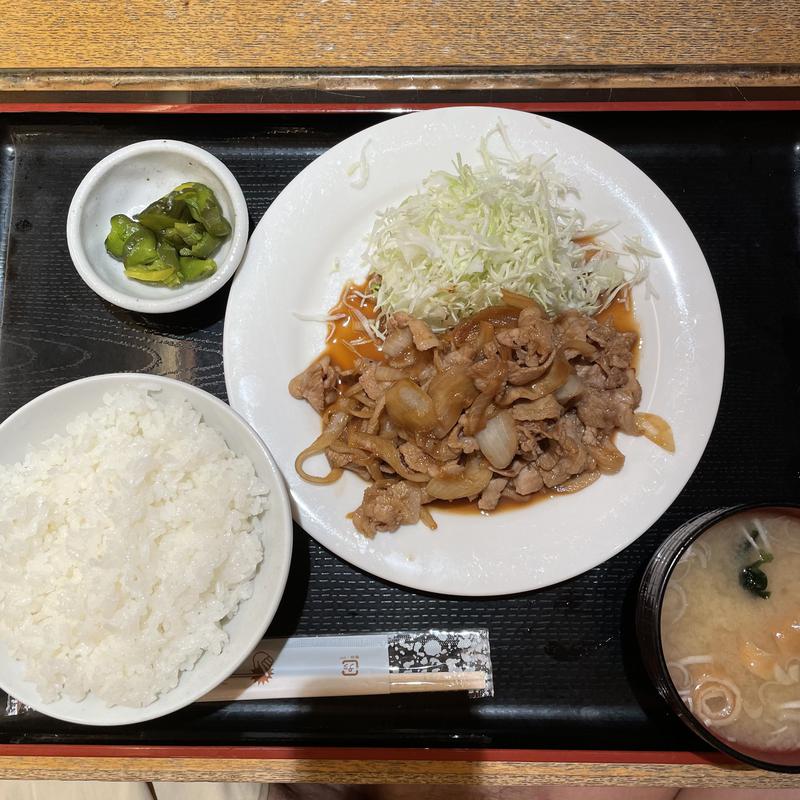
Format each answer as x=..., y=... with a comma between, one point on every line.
x=47, y=415
x=287, y=268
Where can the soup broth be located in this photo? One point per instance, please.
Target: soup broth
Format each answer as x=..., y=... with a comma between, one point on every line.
x=730, y=628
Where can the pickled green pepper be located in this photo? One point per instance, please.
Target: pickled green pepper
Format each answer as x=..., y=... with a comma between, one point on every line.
x=163, y=213
x=139, y=248
x=195, y=269
x=121, y=228
x=204, y=208
x=171, y=241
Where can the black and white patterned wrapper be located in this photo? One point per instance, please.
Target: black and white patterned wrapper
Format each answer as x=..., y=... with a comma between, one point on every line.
x=439, y=650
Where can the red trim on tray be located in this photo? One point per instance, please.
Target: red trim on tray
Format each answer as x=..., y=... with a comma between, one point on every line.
x=366, y=754
x=333, y=108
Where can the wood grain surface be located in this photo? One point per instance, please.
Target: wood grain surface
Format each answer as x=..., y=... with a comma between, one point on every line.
x=330, y=34
x=488, y=773
x=181, y=84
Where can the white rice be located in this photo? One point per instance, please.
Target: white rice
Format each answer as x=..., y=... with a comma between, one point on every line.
x=126, y=544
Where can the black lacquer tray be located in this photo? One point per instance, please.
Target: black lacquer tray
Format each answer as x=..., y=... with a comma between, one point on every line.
x=567, y=671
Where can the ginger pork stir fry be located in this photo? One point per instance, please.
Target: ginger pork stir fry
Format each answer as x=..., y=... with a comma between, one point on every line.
x=504, y=405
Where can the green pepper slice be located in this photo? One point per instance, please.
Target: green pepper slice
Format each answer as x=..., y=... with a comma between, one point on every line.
x=139, y=248
x=165, y=269
x=195, y=269
x=168, y=255
x=171, y=236
x=205, y=247
x=121, y=229
x=162, y=275
x=190, y=232
x=164, y=213
x=204, y=208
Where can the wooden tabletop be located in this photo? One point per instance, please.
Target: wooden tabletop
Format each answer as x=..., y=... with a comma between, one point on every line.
x=173, y=43
x=384, y=766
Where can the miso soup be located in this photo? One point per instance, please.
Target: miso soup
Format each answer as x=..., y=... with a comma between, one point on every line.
x=730, y=629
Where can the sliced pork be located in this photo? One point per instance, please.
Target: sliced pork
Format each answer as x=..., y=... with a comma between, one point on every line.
x=501, y=407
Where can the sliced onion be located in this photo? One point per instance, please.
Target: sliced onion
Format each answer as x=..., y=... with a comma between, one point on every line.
x=485, y=335
x=475, y=479
x=451, y=391
x=482, y=407
x=384, y=373
x=609, y=459
x=360, y=462
x=516, y=300
x=656, y=429
x=570, y=390
x=410, y=407
x=386, y=452
x=553, y=379
x=336, y=424
x=497, y=316
x=407, y=361
x=373, y=468
x=396, y=342
x=353, y=390
x=426, y=519
x=475, y=337
x=577, y=483
x=498, y=440
x=375, y=420
x=355, y=409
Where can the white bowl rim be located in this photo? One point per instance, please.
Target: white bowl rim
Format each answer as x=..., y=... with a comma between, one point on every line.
x=278, y=495
x=189, y=294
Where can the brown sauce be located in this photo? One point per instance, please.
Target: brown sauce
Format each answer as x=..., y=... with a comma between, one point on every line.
x=347, y=341
x=470, y=507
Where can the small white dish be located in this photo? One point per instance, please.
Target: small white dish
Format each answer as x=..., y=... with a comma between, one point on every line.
x=49, y=414
x=127, y=181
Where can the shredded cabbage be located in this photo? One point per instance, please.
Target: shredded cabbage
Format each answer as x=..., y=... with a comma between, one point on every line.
x=448, y=250
x=361, y=167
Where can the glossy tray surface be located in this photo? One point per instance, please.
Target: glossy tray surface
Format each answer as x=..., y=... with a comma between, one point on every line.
x=567, y=671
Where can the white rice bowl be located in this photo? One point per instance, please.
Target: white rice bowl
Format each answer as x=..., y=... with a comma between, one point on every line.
x=144, y=514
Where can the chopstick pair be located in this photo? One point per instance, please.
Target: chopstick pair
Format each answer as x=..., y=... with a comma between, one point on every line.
x=389, y=663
